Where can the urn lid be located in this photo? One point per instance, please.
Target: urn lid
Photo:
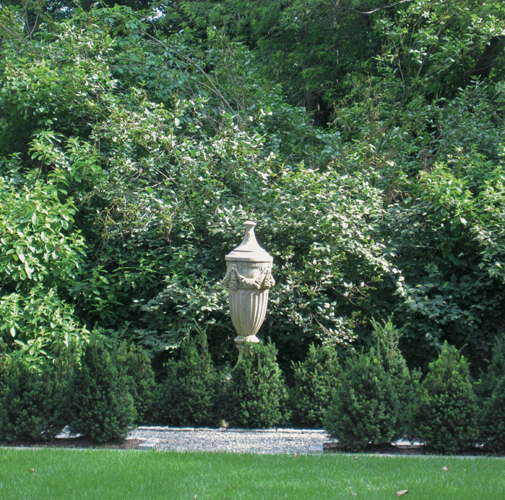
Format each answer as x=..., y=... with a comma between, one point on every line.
x=249, y=250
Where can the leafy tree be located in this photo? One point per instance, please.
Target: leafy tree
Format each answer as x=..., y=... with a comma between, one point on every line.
x=155, y=134
x=41, y=253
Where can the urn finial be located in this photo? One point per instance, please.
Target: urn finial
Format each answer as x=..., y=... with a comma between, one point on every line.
x=249, y=250
x=248, y=279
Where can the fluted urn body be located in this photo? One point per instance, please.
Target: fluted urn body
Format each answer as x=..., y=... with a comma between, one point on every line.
x=248, y=279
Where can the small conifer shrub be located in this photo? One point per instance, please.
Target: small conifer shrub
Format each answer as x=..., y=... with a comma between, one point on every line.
x=136, y=362
x=364, y=410
x=314, y=381
x=493, y=401
x=32, y=403
x=101, y=406
x=256, y=395
x=445, y=410
x=494, y=418
x=386, y=349
x=190, y=392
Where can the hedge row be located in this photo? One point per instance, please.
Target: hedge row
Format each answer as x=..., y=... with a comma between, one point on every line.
x=101, y=397
x=377, y=400
x=364, y=400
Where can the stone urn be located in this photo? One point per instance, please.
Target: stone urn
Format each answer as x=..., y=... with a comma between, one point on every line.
x=248, y=279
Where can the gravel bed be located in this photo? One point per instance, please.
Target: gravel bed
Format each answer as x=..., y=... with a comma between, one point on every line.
x=261, y=441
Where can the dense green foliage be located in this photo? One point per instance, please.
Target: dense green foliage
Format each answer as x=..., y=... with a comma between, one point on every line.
x=3, y=368
x=101, y=405
x=190, y=393
x=37, y=257
x=314, y=381
x=256, y=394
x=494, y=371
x=136, y=137
x=445, y=411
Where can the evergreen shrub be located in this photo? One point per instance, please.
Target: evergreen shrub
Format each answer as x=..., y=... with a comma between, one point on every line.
x=365, y=408
x=136, y=362
x=314, y=381
x=493, y=400
x=386, y=349
x=33, y=403
x=494, y=418
x=445, y=410
x=256, y=395
x=189, y=395
x=101, y=406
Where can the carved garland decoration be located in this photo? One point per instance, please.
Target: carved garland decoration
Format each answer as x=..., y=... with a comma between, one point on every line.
x=233, y=280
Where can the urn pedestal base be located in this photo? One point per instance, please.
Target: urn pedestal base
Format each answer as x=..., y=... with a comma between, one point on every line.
x=241, y=342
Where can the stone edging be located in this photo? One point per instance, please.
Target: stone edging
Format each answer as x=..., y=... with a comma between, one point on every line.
x=225, y=429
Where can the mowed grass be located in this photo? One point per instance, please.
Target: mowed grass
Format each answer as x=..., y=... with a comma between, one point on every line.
x=106, y=474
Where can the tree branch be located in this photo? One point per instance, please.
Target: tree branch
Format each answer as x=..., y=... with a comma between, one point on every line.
x=190, y=61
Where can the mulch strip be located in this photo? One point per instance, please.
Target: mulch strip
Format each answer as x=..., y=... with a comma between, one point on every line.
x=389, y=450
x=76, y=442
x=407, y=449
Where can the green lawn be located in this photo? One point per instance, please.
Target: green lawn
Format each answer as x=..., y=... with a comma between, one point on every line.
x=107, y=474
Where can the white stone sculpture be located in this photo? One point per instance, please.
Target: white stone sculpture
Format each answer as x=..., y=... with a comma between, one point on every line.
x=248, y=279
